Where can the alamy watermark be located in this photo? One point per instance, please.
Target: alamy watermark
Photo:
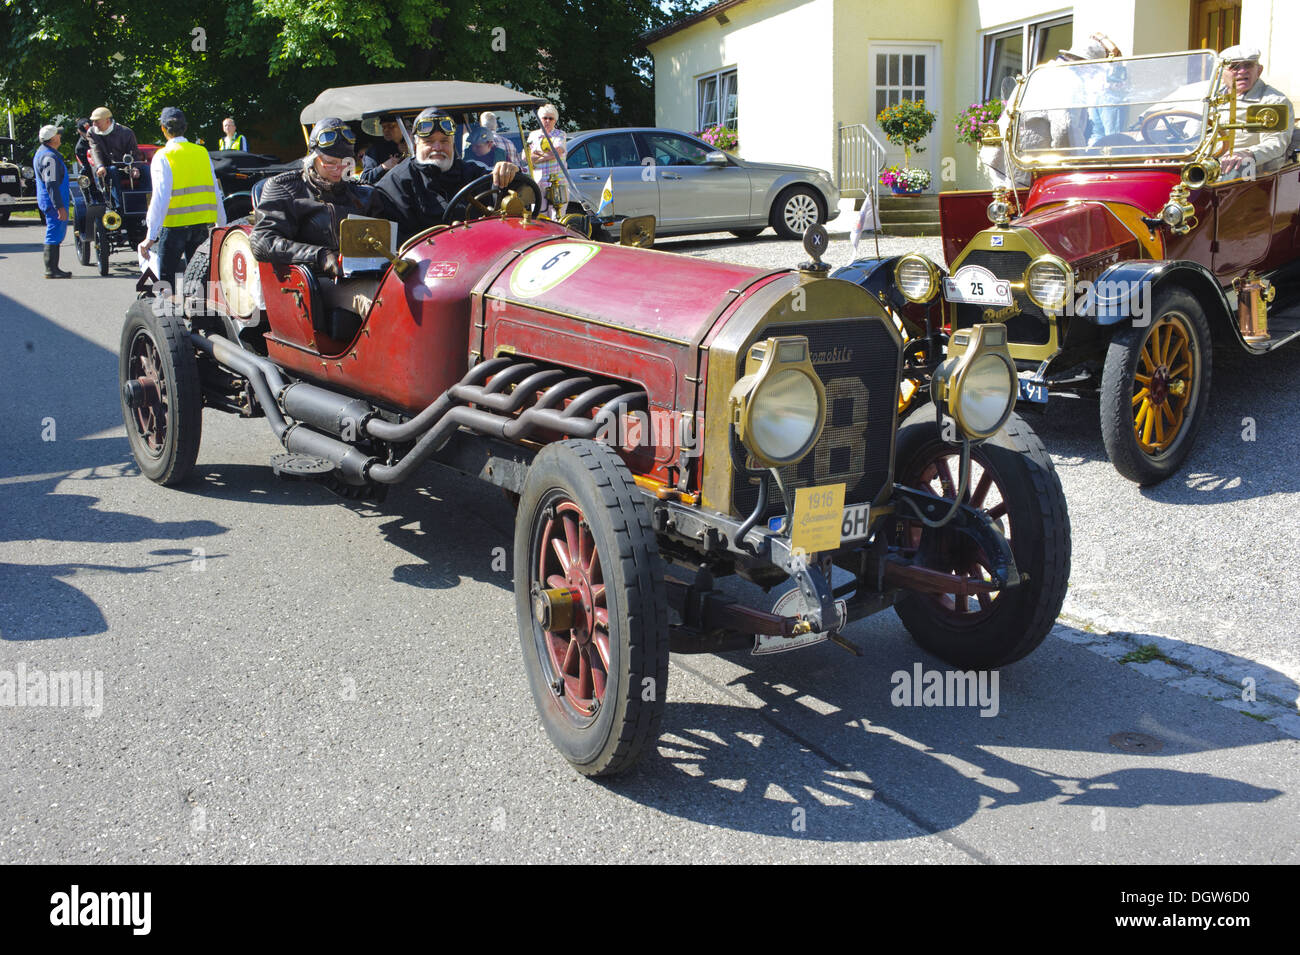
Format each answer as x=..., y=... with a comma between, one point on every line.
x=63, y=688
x=922, y=687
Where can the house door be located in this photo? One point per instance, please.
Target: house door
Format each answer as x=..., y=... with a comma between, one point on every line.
x=907, y=72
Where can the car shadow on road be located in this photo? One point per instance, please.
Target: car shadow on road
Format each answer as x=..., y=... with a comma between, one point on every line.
x=821, y=732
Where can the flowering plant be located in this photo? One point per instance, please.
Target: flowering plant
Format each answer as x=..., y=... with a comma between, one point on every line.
x=906, y=124
x=721, y=137
x=972, y=120
x=904, y=179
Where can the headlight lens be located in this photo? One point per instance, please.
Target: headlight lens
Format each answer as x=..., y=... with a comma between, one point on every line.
x=1048, y=282
x=1172, y=213
x=29, y=172
x=987, y=390
x=999, y=212
x=916, y=277
x=783, y=418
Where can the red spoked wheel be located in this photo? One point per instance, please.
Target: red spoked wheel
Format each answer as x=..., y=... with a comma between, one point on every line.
x=162, y=401
x=1015, y=484
x=589, y=592
x=569, y=563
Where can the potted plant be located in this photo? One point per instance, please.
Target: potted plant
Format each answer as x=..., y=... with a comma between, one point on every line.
x=906, y=124
x=972, y=120
x=721, y=137
x=903, y=181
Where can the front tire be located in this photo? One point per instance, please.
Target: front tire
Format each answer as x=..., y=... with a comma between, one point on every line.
x=1014, y=482
x=599, y=683
x=103, y=248
x=83, y=248
x=1154, y=389
x=796, y=210
x=162, y=401
x=746, y=233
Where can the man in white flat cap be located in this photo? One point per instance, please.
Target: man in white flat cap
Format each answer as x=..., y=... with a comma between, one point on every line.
x=1266, y=151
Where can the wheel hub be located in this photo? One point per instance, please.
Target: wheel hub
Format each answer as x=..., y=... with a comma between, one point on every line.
x=1160, y=386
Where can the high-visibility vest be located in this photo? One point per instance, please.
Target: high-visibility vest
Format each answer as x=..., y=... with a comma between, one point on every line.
x=234, y=142
x=194, y=195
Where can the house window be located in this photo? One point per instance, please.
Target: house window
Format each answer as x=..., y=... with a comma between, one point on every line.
x=1020, y=49
x=716, y=97
x=899, y=76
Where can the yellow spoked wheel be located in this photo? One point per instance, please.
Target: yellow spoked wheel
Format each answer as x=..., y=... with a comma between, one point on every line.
x=1162, y=383
x=1154, y=387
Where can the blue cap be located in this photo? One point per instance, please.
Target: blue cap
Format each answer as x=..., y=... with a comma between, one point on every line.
x=172, y=120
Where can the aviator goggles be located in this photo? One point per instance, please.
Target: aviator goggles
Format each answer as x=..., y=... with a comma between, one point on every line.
x=327, y=137
x=424, y=126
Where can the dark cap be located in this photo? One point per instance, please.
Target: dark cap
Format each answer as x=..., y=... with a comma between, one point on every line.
x=479, y=134
x=172, y=120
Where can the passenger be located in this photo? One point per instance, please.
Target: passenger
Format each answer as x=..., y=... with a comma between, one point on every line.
x=1267, y=151
x=297, y=216
x=386, y=154
x=415, y=194
x=488, y=120
x=483, y=149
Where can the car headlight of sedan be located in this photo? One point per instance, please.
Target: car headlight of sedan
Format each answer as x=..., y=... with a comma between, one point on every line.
x=977, y=383
x=1049, y=282
x=779, y=406
x=916, y=277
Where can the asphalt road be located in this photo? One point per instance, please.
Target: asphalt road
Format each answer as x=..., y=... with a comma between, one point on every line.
x=288, y=678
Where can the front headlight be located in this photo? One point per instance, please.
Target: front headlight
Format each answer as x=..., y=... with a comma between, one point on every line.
x=29, y=172
x=1049, y=282
x=916, y=277
x=779, y=406
x=977, y=383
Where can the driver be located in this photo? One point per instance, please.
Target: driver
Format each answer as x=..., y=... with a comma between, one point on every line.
x=110, y=141
x=1266, y=150
x=416, y=192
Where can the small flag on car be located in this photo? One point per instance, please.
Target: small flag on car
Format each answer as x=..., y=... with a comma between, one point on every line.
x=607, y=196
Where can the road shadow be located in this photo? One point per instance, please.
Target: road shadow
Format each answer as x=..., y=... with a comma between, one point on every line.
x=821, y=732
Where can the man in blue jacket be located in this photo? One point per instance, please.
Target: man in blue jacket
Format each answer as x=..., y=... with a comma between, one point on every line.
x=53, y=194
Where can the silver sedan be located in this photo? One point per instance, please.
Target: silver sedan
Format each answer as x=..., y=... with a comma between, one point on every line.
x=691, y=187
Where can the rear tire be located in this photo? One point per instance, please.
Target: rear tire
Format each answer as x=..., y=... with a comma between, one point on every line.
x=746, y=233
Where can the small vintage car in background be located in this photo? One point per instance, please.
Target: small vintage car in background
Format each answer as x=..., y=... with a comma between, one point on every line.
x=17, y=179
x=109, y=215
x=646, y=411
x=1128, y=258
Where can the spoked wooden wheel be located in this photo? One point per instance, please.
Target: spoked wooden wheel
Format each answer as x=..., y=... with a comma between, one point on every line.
x=569, y=569
x=1154, y=388
x=162, y=402
x=589, y=594
x=1014, y=483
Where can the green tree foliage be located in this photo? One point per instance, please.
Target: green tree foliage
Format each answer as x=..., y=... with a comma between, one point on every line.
x=262, y=60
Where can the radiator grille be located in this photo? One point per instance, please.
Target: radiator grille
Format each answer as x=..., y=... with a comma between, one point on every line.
x=857, y=360
x=1030, y=326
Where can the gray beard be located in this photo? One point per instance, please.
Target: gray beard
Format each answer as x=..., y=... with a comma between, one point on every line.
x=442, y=164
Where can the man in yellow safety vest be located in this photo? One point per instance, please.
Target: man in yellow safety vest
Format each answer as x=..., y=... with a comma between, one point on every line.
x=186, y=201
x=232, y=139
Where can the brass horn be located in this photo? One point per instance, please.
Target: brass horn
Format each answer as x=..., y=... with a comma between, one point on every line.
x=112, y=220
x=1197, y=174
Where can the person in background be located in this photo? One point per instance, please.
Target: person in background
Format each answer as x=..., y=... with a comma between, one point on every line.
x=186, y=201
x=383, y=156
x=483, y=148
x=488, y=120
x=53, y=194
x=544, y=145
x=233, y=138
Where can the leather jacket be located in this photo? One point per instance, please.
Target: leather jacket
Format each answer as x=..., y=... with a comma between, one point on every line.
x=297, y=220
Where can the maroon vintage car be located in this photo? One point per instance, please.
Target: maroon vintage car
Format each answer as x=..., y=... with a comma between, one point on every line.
x=645, y=410
x=1130, y=254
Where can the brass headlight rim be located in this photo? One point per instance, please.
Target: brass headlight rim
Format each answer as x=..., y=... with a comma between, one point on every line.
x=764, y=376
x=932, y=272
x=1048, y=258
x=955, y=383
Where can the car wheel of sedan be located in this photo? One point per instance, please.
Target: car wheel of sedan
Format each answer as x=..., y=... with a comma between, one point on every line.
x=162, y=403
x=746, y=233
x=1154, y=389
x=1014, y=483
x=795, y=210
x=590, y=599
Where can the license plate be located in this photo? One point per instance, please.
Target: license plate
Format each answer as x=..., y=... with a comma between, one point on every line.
x=1033, y=390
x=976, y=285
x=855, y=525
x=787, y=605
x=8, y=178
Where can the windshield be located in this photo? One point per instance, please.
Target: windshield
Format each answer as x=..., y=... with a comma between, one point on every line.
x=1151, y=107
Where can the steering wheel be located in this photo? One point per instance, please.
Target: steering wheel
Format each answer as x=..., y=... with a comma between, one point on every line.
x=1158, y=128
x=473, y=196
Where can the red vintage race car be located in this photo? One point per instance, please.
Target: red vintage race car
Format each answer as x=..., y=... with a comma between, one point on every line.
x=1130, y=255
x=664, y=422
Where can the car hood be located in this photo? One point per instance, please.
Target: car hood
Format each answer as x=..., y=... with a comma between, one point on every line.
x=784, y=167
